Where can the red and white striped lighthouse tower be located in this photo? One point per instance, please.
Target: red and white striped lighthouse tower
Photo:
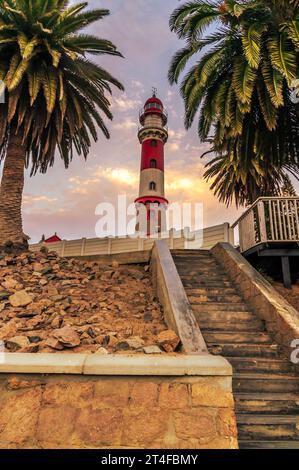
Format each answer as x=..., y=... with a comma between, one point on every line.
x=153, y=134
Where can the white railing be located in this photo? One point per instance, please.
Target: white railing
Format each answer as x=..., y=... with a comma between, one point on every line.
x=269, y=219
x=205, y=239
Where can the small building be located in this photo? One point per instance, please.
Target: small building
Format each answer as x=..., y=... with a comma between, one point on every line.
x=53, y=239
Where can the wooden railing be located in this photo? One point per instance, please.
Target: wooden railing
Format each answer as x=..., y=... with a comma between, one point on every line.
x=269, y=219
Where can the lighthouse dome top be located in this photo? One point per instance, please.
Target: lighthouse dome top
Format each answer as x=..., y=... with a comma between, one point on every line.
x=152, y=101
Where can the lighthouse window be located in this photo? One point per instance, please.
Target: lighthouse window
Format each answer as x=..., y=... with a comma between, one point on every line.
x=154, y=143
x=153, y=106
x=152, y=186
x=153, y=163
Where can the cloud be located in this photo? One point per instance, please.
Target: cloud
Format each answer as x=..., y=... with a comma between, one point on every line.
x=173, y=147
x=122, y=175
x=176, y=134
x=29, y=199
x=124, y=104
x=138, y=85
x=126, y=124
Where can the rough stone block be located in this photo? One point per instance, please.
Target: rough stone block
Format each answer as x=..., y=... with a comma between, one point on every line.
x=226, y=423
x=144, y=426
x=195, y=423
x=75, y=394
x=111, y=393
x=56, y=424
x=174, y=396
x=99, y=428
x=208, y=395
x=144, y=394
x=18, y=417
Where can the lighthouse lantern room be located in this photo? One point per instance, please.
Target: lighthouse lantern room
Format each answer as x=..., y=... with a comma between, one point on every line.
x=151, y=204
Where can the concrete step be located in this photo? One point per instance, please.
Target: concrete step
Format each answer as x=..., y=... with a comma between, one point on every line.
x=268, y=427
x=211, y=291
x=244, y=350
x=220, y=298
x=197, y=263
x=272, y=383
x=239, y=326
x=205, y=283
x=220, y=307
x=198, y=258
x=261, y=444
x=260, y=364
x=201, y=273
x=268, y=403
x=239, y=337
x=190, y=252
x=212, y=276
x=230, y=318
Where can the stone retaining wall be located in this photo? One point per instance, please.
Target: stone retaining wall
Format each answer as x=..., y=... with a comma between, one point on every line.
x=70, y=411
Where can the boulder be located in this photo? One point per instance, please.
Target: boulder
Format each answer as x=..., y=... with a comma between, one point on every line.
x=54, y=344
x=135, y=342
x=20, y=299
x=152, y=350
x=10, y=283
x=102, y=351
x=67, y=336
x=17, y=342
x=4, y=295
x=136, y=274
x=168, y=340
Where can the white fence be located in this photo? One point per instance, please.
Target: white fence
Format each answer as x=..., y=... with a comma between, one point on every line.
x=205, y=239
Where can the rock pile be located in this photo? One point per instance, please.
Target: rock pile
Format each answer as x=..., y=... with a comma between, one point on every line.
x=50, y=304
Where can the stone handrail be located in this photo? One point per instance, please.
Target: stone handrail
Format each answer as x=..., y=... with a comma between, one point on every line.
x=177, y=309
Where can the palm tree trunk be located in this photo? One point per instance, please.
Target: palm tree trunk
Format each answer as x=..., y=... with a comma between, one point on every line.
x=11, y=191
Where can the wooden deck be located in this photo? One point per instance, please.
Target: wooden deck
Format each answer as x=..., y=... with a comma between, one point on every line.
x=269, y=220
x=270, y=227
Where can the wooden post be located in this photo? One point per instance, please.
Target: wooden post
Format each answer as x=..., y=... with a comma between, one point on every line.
x=262, y=221
x=286, y=272
x=226, y=232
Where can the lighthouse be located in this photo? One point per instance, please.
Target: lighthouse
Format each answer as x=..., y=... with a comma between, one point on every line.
x=151, y=204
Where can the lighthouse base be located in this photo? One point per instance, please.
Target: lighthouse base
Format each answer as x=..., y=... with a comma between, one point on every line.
x=151, y=219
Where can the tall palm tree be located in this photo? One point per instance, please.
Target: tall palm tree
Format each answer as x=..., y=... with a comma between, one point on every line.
x=241, y=85
x=55, y=95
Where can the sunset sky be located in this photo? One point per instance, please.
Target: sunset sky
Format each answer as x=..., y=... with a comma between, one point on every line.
x=64, y=201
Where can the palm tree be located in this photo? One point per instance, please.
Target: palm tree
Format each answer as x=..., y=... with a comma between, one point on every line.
x=241, y=85
x=55, y=95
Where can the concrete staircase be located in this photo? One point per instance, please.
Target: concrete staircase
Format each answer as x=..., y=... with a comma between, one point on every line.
x=265, y=385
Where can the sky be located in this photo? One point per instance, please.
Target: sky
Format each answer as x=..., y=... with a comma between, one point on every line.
x=64, y=201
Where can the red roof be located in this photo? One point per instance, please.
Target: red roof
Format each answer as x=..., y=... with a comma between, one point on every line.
x=53, y=239
x=154, y=99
